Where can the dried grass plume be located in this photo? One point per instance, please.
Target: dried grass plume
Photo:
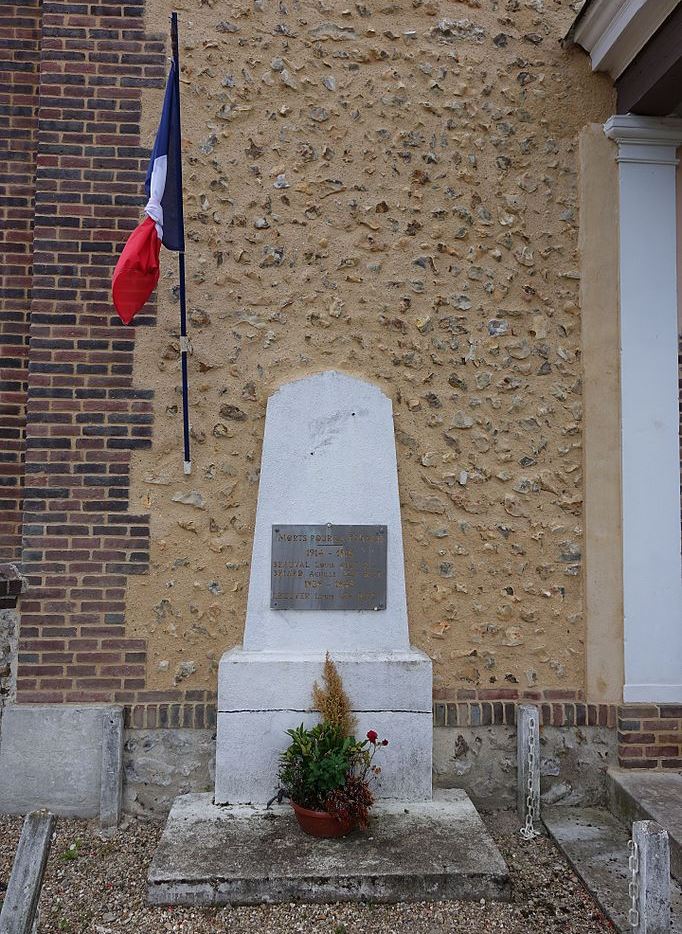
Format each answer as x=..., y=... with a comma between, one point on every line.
x=331, y=699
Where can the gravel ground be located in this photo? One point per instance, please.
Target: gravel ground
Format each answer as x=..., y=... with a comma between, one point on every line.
x=97, y=886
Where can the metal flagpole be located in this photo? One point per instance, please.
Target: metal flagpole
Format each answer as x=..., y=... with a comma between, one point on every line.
x=184, y=343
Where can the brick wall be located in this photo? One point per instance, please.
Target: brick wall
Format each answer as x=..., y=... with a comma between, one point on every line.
x=84, y=415
x=19, y=59
x=650, y=736
x=464, y=707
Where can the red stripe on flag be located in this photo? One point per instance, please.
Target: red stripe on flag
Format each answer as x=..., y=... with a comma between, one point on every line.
x=137, y=271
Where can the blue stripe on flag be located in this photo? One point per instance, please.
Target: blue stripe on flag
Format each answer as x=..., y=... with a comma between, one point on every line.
x=167, y=143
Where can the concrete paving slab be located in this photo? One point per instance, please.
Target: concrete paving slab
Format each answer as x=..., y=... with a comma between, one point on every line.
x=596, y=845
x=643, y=795
x=243, y=855
x=51, y=757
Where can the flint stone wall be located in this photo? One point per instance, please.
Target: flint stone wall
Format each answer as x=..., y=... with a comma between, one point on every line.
x=389, y=190
x=160, y=764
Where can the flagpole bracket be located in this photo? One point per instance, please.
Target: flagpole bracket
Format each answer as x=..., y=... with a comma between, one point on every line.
x=187, y=467
x=184, y=344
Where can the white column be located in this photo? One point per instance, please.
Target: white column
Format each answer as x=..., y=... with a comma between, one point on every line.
x=652, y=568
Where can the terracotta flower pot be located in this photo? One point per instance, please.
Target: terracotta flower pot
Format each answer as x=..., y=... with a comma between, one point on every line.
x=320, y=823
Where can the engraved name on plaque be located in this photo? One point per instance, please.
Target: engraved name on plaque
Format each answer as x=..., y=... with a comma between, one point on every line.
x=328, y=567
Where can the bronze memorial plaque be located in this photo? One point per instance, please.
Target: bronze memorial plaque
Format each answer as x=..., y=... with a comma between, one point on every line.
x=328, y=567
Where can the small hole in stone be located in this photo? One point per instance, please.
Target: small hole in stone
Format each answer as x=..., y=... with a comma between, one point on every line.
x=352, y=413
x=311, y=453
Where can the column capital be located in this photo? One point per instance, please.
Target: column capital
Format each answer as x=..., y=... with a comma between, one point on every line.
x=645, y=139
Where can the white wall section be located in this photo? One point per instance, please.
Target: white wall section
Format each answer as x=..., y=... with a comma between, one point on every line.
x=614, y=31
x=652, y=569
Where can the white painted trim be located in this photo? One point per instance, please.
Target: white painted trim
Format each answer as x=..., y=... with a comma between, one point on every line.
x=647, y=158
x=645, y=140
x=614, y=31
x=652, y=693
x=635, y=130
x=652, y=568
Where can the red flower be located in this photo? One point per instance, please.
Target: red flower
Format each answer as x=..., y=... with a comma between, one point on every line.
x=372, y=736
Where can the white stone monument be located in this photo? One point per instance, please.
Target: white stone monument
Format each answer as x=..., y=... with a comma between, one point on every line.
x=328, y=457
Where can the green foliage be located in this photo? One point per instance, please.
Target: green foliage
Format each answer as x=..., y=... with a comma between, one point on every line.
x=71, y=852
x=317, y=762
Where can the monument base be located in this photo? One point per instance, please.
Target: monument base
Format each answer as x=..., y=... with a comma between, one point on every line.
x=263, y=694
x=427, y=851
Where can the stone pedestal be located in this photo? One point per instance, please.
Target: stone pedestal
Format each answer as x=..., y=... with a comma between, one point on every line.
x=328, y=457
x=263, y=694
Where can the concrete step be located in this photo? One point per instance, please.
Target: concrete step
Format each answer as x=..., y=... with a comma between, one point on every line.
x=636, y=794
x=596, y=845
x=242, y=855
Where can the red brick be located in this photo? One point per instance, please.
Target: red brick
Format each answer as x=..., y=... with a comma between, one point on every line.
x=630, y=752
x=40, y=697
x=671, y=710
x=669, y=738
x=466, y=694
x=97, y=658
x=87, y=697
x=662, y=751
x=637, y=711
x=636, y=738
x=660, y=725
x=48, y=684
x=498, y=694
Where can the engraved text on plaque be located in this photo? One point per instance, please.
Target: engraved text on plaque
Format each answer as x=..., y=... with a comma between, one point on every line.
x=328, y=567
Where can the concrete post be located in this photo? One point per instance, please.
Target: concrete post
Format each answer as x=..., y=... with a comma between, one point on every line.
x=527, y=736
x=653, y=850
x=23, y=890
x=111, y=784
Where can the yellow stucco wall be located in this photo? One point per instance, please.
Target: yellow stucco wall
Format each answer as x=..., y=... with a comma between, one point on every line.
x=426, y=240
x=603, y=567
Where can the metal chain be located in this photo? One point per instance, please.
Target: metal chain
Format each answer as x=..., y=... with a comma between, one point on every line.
x=528, y=831
x=633, y=884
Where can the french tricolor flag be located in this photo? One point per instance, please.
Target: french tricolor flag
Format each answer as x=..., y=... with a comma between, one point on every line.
x=137, y=270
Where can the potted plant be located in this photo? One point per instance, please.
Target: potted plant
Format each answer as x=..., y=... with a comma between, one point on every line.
x=326, y=772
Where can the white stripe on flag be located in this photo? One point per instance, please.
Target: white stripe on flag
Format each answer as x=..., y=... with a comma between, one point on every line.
x=157, y=185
